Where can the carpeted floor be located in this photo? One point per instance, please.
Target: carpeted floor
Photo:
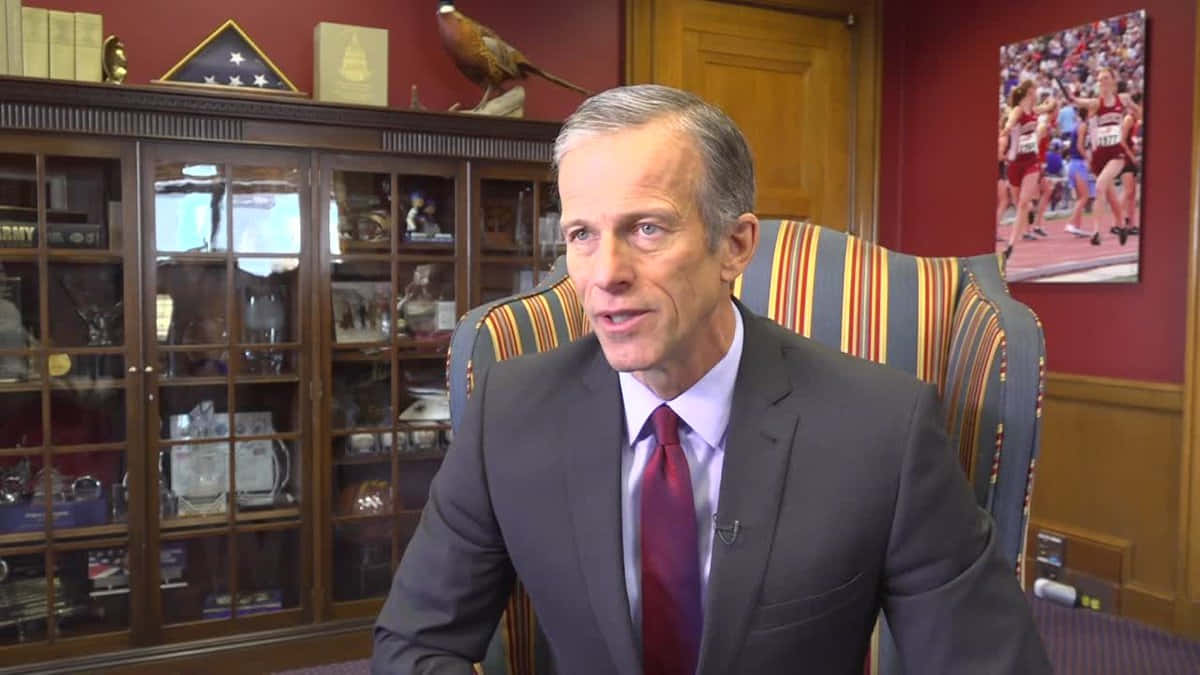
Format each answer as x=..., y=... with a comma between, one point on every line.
x=1080, y=643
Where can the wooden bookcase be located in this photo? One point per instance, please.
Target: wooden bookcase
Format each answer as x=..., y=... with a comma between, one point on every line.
x=223, y=332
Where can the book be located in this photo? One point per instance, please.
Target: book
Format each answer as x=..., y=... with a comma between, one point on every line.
x=3, y=40
x=35, y=41
x=350, y=64
x=62, y=44
x=12, y=13
x=89, y=44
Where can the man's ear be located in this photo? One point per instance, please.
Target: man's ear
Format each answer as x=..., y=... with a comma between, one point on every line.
x=738, y=244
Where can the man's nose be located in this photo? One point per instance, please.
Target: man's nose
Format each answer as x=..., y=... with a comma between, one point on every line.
x=612, y=267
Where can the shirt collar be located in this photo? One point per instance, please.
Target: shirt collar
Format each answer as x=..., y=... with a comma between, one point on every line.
x=704, y=407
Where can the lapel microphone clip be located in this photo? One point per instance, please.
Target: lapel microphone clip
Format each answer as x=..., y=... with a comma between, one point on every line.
x=727, y=533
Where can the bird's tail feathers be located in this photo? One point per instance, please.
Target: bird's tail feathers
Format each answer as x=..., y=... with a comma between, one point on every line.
x=554, y=78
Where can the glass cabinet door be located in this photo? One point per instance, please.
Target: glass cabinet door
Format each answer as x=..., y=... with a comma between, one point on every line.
x=516, y=222
x=67, y=386
x=392, y=301
x=228, y=395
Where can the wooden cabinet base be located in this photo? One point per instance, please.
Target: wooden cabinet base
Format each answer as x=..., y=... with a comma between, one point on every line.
x=248, y=653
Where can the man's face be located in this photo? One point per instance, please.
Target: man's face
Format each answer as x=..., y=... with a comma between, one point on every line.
x=638, y=254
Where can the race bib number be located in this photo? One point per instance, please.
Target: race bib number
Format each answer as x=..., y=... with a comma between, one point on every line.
x=1027, y=144
x=1108, y=137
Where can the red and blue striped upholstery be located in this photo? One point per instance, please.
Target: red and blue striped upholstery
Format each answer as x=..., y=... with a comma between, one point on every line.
x=947, y=321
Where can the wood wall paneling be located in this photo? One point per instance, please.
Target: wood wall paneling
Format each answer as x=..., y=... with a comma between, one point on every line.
x=1107, y=478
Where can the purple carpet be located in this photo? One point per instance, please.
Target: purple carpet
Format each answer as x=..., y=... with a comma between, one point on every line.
x=1080, y=642
x=345, y=668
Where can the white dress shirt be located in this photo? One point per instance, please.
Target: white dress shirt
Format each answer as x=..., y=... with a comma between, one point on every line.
x=703, y=412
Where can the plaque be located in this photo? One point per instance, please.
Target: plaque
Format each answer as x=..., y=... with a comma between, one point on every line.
x=15, y=234
x=199, y=474
x=350, y=64
x=218, y=605
x=75, y=235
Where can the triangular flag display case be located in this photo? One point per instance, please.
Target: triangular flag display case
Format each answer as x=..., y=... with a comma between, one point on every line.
x=229, y=59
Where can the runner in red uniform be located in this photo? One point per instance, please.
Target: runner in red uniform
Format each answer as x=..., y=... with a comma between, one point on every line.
x=1024, y=164
x=1106, y=119
x=1004, y=192
x=1045, y=183
x=1130, y=173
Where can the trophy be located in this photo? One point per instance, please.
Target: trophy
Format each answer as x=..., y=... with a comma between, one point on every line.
x=265, y=322
x=59, y=492
x=13, y=480
x=102, y=321
x=417, y=307
x=115, y=64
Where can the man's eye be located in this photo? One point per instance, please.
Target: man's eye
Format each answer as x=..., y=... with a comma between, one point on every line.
x=649, y=229
x=577, y=235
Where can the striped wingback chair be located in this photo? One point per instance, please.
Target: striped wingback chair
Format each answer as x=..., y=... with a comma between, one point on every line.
x=947, y=321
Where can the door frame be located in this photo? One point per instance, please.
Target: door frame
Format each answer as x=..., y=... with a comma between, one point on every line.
x=1187, y=576
x=863, y=17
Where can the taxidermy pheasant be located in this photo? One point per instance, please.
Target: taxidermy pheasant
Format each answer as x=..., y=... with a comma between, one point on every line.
x=484, y=57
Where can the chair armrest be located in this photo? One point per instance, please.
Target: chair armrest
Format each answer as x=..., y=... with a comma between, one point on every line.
x=993, y=396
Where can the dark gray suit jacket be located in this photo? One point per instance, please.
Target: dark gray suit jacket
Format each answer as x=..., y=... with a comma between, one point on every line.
x=848, y=496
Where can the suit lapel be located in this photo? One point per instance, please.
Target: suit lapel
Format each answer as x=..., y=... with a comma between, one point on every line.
x=593, y=435
x=757, y=449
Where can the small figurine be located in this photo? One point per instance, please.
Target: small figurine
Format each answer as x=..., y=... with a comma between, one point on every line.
x=115, y=63
x=426, y=219
x=412, y=220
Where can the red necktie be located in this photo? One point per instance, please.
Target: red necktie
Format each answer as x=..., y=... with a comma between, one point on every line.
x=671, y=613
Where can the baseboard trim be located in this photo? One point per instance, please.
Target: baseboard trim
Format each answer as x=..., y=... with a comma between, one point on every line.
x=1149, y=605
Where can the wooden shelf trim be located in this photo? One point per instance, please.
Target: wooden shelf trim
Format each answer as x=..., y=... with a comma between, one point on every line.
x=242, y=516
x=164, y=111
x=39, y=536
x=399, y=513
x=386, y=457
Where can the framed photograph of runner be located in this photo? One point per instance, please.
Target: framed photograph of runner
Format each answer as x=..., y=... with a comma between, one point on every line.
x=1069, y=150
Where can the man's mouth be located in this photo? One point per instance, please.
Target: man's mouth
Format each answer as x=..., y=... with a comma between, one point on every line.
x=621, y=319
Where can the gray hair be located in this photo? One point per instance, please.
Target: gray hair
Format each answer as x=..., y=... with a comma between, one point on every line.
x=724, y=191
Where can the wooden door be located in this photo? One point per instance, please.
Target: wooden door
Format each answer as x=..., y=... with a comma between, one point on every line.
x=785, y=78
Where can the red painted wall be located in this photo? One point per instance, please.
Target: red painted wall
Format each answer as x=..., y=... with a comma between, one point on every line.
x=938, y=176
x=580, y=41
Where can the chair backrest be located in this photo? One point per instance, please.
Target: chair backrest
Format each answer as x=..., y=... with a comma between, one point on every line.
x=948, y=321
x=855, y=296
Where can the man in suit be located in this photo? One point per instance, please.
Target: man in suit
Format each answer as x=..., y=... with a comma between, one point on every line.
x=693, y=488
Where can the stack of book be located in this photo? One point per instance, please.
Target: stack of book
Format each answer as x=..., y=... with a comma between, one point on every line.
x=38, y=42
